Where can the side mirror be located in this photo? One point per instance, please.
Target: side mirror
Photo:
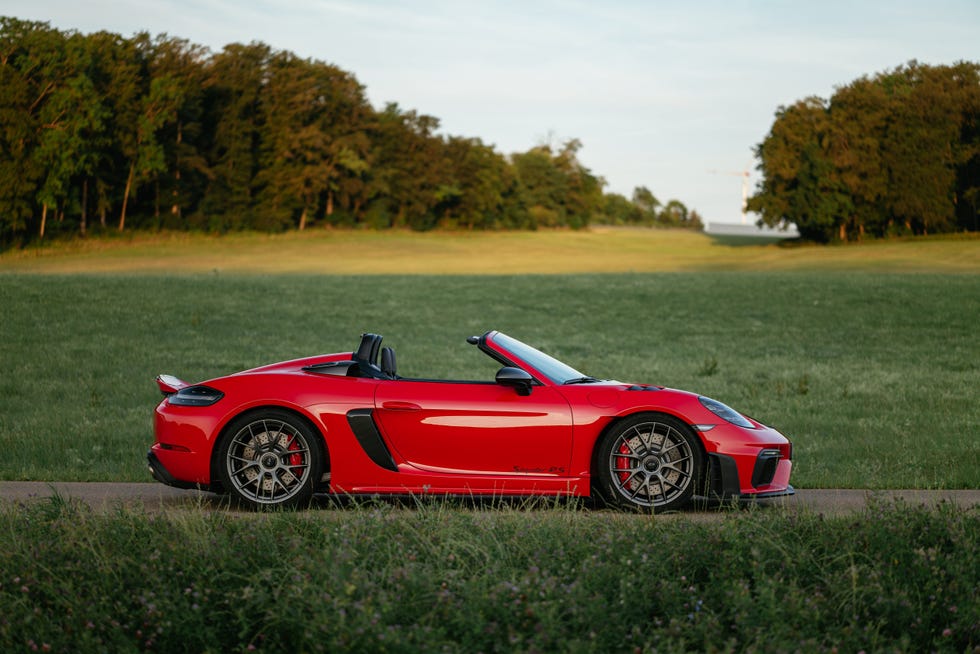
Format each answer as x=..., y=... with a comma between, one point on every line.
x=517, y=378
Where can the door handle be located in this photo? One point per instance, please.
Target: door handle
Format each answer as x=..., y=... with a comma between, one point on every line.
x=400, y=406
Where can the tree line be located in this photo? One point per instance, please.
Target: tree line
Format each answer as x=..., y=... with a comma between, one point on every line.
x=101, y=132
x=897, y=153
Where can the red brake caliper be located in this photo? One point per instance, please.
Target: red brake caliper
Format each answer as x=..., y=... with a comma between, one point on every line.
x=623, y=463
x=295, y=459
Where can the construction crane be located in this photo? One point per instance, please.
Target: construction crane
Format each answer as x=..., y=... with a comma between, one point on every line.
x=745, y=187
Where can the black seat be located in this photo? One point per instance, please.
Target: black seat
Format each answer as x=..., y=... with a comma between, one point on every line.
x=366, y=357
x=367, y=351
x=388, y=366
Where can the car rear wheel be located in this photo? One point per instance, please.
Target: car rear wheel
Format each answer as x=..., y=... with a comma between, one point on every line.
x=269, y=458
x=649, y=462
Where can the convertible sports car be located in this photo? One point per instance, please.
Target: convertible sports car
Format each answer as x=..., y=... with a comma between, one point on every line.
x=348, y=424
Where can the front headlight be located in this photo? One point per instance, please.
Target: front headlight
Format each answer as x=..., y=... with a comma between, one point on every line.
x=196, y=396
x=725, y=412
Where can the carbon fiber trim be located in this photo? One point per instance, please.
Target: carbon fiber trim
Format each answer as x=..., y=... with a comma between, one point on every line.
x=724, y=475
x=362, y=424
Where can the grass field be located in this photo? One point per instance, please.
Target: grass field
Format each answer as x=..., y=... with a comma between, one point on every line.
x=873, y=376
x=866, y=356
x=598, y=250
x=440, y=578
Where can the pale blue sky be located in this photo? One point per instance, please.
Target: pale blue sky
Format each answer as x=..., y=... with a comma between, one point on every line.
x=659, y=93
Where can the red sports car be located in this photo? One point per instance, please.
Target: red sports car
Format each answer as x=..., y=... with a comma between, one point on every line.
x=349, y=424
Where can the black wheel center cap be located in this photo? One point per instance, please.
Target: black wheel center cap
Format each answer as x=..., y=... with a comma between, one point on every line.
x=651, y=464
x=269, y=461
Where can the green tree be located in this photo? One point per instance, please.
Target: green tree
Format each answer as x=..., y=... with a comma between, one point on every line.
x=646, y=202
x=161, y=132
x=312, y=141
x=542, y=187
x=859, y=115
x=96, y=141
x=917, y=153
x=406, y=169
x=584, y=189
x=965, y=80
x=158, y=94
x=694, y=220
x=71, y=119
x=113, y=71
x=343, y=112
x=898, y=152
x=799, y=183
x=618, y=210
x=232, y=130
x=24, y=88
x=293, y=145
x=180, y=182
x=480, y=189
x=674, y=214
x=556, y=188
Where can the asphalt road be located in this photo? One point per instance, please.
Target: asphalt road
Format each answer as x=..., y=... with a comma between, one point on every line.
x=157, y=497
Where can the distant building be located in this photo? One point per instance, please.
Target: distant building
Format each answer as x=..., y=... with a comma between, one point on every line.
x=732, y=229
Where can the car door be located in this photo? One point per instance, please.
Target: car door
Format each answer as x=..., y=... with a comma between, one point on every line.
x=476, y=428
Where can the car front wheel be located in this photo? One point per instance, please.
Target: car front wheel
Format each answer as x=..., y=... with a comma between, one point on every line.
x=649, y=462
x=269, y=458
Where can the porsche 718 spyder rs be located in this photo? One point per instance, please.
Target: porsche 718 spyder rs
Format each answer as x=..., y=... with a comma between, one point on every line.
x=349, y=424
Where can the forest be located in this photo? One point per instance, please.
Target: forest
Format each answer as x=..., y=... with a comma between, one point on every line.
x=890, y=155
x=105, y=133
x=101, y=133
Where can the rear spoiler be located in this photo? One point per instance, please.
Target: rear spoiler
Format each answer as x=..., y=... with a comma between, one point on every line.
x=169, y=384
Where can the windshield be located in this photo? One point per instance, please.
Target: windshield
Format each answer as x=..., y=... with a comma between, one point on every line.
x=548, y=366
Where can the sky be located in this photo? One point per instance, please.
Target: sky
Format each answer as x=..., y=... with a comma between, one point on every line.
x=670, y=95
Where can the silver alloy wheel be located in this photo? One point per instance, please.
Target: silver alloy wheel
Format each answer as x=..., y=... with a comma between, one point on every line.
x=651, y=464
x=268, y=461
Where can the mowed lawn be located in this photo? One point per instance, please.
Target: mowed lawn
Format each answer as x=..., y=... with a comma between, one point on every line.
x=873, y=375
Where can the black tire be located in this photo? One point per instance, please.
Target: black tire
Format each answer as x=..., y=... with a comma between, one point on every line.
x=270, y=458
x=650, y=462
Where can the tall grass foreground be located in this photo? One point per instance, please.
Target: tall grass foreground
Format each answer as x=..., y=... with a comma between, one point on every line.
x=443, y=578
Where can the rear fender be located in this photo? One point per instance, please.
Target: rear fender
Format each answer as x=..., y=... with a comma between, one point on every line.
x=321, y=442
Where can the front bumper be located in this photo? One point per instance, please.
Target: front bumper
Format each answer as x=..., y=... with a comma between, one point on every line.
x=769, y=478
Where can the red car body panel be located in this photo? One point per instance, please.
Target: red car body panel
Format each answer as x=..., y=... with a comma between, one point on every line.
x=454, y=437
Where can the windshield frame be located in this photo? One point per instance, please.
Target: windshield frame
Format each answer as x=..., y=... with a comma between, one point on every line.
x=545, y=365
